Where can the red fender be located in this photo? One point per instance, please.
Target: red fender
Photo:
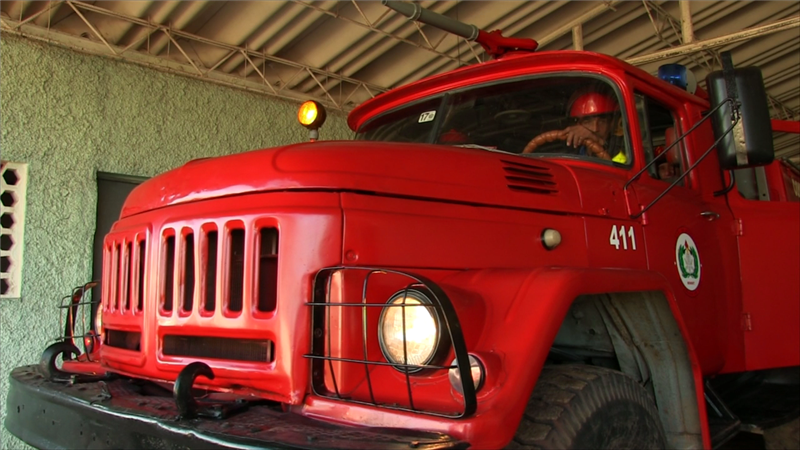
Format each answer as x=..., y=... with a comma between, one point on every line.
x=524, y=311
x=511, y=332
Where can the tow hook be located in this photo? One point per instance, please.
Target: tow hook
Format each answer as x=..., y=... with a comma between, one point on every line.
x=47, y=363
x=188, y=407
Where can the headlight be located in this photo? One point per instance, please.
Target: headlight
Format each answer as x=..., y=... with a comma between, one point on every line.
x=421, y=325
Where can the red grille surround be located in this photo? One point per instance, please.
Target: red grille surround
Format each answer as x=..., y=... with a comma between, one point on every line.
x=212, y=273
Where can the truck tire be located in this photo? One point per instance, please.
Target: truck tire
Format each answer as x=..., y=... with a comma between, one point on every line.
x=583, y=407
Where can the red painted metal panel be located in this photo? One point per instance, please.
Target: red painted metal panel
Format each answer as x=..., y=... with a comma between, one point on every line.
x=786, y=126
x=770, y=237
x=310, y=230
x=408, y=170
x=523, y=308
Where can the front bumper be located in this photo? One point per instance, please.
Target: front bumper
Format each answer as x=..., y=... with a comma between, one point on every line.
x=115, y=414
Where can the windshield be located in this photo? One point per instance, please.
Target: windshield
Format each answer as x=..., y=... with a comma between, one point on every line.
x=574, y=116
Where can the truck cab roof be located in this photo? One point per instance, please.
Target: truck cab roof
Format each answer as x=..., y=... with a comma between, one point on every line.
x=511, y=66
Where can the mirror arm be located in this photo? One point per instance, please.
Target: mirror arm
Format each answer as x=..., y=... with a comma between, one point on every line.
x=677, y=141
x=729, y=186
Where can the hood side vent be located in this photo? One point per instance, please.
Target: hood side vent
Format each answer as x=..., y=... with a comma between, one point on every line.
x=529, y=178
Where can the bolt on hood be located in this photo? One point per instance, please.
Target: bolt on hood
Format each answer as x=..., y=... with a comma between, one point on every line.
x=434, y=172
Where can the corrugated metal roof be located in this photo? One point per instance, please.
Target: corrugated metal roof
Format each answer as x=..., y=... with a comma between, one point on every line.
x=346, y=52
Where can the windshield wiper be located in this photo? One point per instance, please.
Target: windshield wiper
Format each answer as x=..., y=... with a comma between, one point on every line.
x=480, y=147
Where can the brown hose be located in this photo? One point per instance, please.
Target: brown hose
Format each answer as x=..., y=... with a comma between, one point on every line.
x=594, y=147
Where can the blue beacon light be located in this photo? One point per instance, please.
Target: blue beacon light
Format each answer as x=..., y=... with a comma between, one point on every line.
x=674, y=74
x=678, y=75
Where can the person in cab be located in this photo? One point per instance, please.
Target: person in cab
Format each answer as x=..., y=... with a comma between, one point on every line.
x=595, y=128
x=595, y=115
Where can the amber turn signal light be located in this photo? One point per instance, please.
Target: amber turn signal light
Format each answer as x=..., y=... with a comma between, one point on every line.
x=311, y=115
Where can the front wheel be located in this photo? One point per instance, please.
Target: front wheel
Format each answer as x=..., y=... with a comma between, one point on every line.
x=587, y=407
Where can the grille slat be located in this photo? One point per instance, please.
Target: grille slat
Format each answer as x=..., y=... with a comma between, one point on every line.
x=267, y=270
x=126, y=284
x=219, y=348
x=211, y=272
x=236, y=271
x=168, y=271
x=188, y=270
x=140, y=276
x=123, y=273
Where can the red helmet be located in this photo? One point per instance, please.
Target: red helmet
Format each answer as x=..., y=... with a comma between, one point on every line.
x=592, y=104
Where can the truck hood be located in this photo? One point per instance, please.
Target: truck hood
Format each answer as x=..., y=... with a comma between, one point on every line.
x=436, y=172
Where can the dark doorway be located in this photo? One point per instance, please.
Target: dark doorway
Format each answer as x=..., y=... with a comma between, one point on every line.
x=112, y=190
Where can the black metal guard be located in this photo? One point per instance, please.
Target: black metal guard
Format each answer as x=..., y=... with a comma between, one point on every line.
x=73, y=311
x=443, y=307
x=677, y=141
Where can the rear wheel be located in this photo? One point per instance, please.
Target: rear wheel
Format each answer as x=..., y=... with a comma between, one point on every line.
x=577, y=407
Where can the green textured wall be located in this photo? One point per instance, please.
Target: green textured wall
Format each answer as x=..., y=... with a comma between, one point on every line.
x=69, y=115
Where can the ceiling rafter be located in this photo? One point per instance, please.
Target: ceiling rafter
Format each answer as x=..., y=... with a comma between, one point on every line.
x=188, y=66
x=350, y=63
x=342, y=53
x=580, y=20
x=696, y=46
x=373, y=28
x=679, y=33
x=275, y=36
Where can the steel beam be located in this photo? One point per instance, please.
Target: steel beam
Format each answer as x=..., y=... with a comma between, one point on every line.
x=687, y=27
x=577, y=37
x=371, y=27
x=580, y=20
x=708, y=44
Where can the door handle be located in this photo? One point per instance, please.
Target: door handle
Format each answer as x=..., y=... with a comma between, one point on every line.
x=710, y=215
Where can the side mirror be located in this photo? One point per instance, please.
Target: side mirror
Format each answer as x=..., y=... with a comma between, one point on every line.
x=754, y=134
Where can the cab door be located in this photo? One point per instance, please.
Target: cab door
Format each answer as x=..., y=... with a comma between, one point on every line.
x=681, y=230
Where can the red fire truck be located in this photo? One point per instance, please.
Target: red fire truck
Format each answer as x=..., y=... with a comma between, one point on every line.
x=548, y=250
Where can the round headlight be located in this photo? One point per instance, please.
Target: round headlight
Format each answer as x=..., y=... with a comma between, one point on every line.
x=409, y=334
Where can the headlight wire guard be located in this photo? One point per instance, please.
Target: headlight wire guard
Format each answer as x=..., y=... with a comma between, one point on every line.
x=320, y=309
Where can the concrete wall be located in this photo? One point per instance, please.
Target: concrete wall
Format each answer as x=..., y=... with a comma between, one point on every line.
x=69, y=115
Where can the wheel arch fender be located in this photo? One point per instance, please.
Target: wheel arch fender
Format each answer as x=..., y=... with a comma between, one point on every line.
x=526, y=308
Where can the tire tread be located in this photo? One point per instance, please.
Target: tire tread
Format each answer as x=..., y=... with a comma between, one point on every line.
x=564, y=399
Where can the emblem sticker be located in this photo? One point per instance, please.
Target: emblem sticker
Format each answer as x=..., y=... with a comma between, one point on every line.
x=688, y=261
x=427, y=116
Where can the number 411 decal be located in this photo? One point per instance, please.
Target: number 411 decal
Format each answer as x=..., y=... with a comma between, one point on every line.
x=617, y=235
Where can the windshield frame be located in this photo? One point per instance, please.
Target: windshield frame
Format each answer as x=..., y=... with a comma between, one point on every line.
x=445, y=96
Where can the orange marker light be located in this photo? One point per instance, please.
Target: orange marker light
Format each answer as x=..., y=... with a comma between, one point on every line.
x=307, y=113
x=311, y=115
